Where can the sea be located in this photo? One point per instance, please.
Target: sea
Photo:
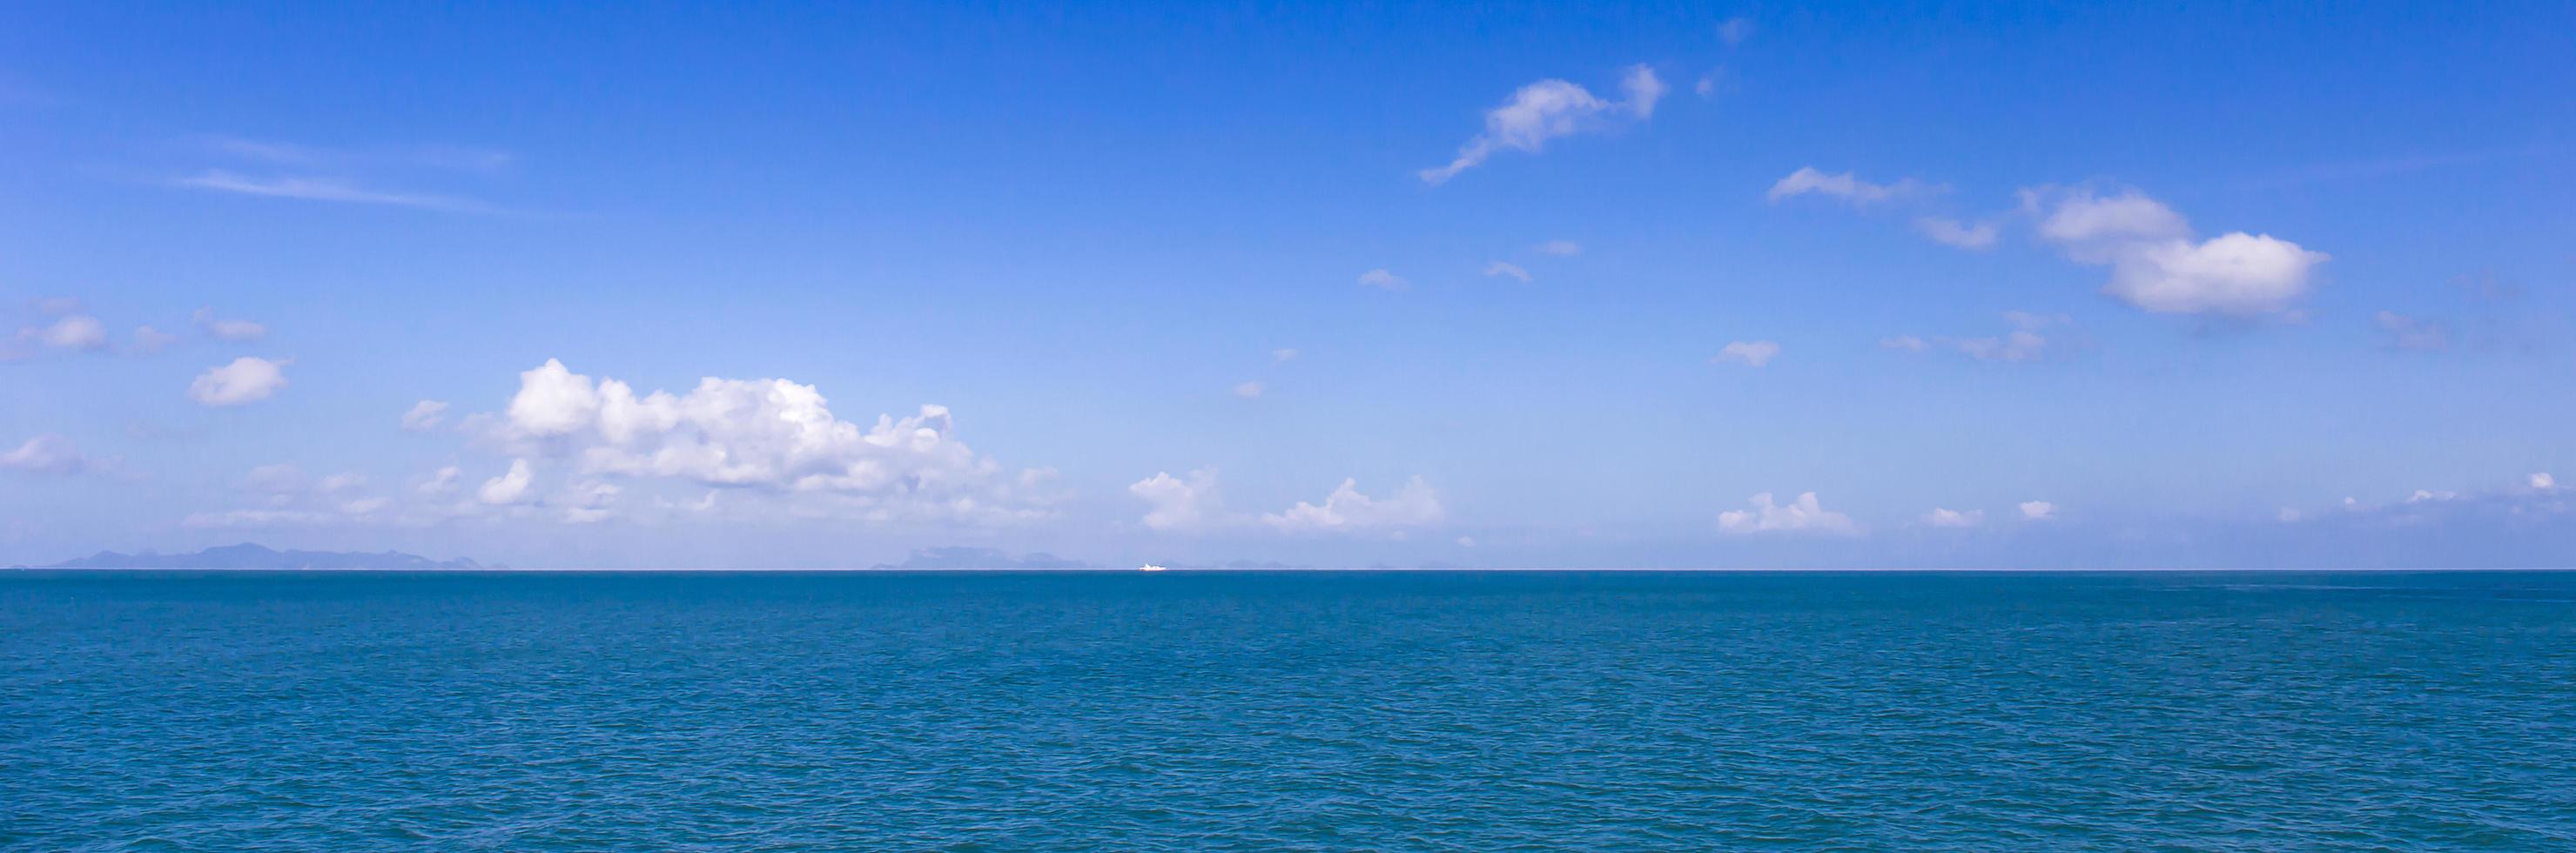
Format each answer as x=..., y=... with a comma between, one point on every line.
x=1313, y=710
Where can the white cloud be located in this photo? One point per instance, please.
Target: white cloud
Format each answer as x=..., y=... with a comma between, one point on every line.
x=1380, y=278
x=1803, y=515
x=1952, y=232
x=1283, y=355
x=2020, y=345
x=1249, y=390
x=1748, y=353
x=2023, y=343
x=2541, y=481
x=1735, y=30
x=280, y=482
x=246, y=379
x=1844, y=186
x=2399, y=331
x=325, y=189
x=509, y=488
x=2038, y=510
x=1178, y=504
x=2155, y=263
x=46, y=454
x=1643, y=89
x=148, y=340
x=1939, y=517
x=75, y=332
x=1505, y=269
x=1550, y=109
x=258, y=518
x=425, y=415
x=2079, y=218
x=442, y=482
x=589, y=503
x=1559, y=248
x=1346, y=509
x=769, y=434
x=228, y=329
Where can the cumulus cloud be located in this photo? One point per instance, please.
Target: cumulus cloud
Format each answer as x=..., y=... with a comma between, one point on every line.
x=1844, y=186
x=46, y=454
x=75, y=332
x=2541, y=481
x=2158, y=265
x=589, y=503
x=1381, y=279
x=765, y=434
x=510, y=487
x=2038, y=510
x=1552, y=109
x=1180, y=504
x=442, y=482
x=1500, y=268
x=1803, y=515
x=1939, y=517
x=1747, y=353
x=1249, y=390
x=425, y=415
x=1952, y=232
x=228, y=329
x=2401, y=332
x=245, y=380
x=1347, y=510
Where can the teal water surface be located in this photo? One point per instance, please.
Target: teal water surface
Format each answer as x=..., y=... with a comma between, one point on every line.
x=1315, y=710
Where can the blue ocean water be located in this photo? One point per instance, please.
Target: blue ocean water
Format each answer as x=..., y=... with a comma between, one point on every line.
x=1321, y=710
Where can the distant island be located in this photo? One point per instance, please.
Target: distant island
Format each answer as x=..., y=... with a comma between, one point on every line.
x=251, y=556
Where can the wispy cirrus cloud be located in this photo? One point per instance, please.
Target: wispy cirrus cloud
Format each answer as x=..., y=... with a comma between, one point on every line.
x=1847, y=187
x=284, y=170
x=327, y=189
x=1551, y=109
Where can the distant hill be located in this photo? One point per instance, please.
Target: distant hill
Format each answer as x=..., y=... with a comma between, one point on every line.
x=250, y=556
x=982, y=558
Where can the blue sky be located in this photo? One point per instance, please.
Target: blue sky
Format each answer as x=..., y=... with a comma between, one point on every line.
x=2001, y=285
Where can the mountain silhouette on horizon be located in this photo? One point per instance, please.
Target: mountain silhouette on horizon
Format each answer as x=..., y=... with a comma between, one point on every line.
x=254, y=556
